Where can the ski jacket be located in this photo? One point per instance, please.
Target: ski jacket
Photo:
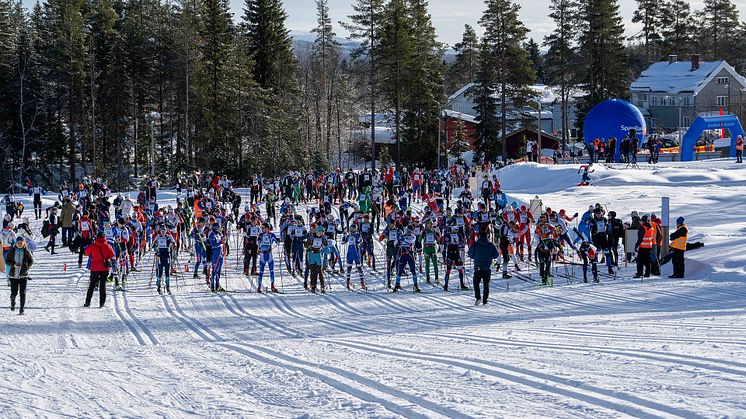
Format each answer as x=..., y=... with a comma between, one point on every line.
x=99, y=252
x=26, y=262
x=483, y=252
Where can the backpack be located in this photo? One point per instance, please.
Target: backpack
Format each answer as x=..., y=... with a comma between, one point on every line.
x=45, y=229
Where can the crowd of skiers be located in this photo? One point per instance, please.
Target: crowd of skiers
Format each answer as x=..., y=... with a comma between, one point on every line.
x=347, y=216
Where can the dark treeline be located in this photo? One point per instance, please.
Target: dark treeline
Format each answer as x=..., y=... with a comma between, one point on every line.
x=120, y=88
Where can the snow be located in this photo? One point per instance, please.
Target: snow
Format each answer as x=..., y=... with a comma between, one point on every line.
x=624, y=348
x=678, y=77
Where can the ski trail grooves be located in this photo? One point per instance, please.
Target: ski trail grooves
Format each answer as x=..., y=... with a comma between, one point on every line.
x=137, y=320
x=235, y=308
x=351, y=380
x=619, y=336
x=127, y=322
x=632, y=353
x=610, y=399
x=351, y=383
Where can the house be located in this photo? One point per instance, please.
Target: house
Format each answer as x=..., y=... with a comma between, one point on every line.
x=515, y=142
x=671, y=88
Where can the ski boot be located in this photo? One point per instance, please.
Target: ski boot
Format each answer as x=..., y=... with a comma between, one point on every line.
x=595, y=279
x=416, y=289
x=168, y=290
x=274, y=290
x=397, y=287
x=478, y=302
x=611, y=271
x=544, y=281
x=159, y=290
x=195, y=274
x=305, y=285
x=362, y=285
x=517, y=268
x=348, y=285
x=259, y=289
x=464, y=287
x=506, y=275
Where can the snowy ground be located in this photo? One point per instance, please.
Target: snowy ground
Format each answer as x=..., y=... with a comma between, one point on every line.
x=623, y=348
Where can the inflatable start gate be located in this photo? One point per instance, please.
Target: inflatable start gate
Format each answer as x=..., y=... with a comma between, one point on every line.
x=702, y=123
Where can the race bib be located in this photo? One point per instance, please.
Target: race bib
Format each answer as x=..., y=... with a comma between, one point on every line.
x=485, y=217
x=365, y=228
x=298, y=232
x=265, y=240
x=601, y=225
x=393, y=235
x=255, y=231
x=84, y=225
x=317, y=242
x=454, y=238
x=362, y=197
x=65, y=193
x=459, y=221
x=330, y=228
x=430, y=238
x=524, y=218
x=162, y=242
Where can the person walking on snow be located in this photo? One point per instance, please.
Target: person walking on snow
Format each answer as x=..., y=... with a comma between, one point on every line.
x=483, y=252
x=19, y=261
x=739, y=149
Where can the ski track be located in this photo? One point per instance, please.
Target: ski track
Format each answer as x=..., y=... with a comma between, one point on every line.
x=258, y=355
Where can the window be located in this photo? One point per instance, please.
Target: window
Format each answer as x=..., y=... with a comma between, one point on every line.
x=723, y=80
x=686, y=121
x=722, y=100
x=654, y=100
x=686, y=101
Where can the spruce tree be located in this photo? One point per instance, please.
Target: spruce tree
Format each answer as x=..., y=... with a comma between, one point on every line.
x=560, y=58
x=602, y=54
x=423, y=90
x=536, y=58
x=325, y=61
x=396, y=59
x=365, y=27
x=486, y=144
x=504, y=34
x=269, y=43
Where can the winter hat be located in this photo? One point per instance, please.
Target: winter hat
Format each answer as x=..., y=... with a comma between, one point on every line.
x=644, y=218
x=20, y=239
x=680, y=220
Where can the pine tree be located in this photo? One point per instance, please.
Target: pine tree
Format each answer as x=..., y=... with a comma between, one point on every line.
x=676, y=27
x=365, y=27
x=504, y=34
x=464, y=68
x=560, y=58
x=719, y=27
x=602, y=54
x=649, y=14
x=537, y=60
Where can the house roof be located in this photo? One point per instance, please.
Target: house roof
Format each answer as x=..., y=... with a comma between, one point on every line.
x=678, y=77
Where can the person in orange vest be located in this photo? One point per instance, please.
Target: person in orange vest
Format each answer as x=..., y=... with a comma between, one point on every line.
x=646, y=236
x=739, y=149
x=678, y=247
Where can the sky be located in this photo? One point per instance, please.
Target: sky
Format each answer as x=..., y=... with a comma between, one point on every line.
x=449, y=16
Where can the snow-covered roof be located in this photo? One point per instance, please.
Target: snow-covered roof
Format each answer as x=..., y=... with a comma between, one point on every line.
x=678, y=77
x=548, y=94
x=460, y=115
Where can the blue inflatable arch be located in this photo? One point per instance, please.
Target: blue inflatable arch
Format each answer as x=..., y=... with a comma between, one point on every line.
x=702, y=123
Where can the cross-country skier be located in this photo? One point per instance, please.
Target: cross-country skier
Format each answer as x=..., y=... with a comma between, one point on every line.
x=354, y=243
x=163, y=244
x=266, y=242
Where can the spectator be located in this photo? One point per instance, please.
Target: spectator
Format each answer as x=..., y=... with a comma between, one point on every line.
x=483, y=252
x=101, y=255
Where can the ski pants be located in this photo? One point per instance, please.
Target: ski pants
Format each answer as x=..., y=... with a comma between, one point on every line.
x=594, y=266
x=482, y=277
x=643, y=261
x=217, y=266
x=97, y=279
x=250, y=255
x=201, y=257
x=333, y=253
x=18, y=286
x=313, y=260
x=164, y=264
x=390, y=261
x=297, y=252
x=405, y=260
x=545, y=264
x=431, y=256
x=37, y=207
x=266, y=258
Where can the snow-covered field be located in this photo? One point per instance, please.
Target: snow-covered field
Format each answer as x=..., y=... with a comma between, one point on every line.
x=661, y=348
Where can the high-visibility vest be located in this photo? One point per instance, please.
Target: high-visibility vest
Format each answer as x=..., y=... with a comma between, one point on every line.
x=197, y=209
x=739, y=144
x=680, y=243
x=649, y=238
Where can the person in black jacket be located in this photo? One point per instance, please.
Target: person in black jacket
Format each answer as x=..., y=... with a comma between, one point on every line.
x=617, y=232
x=483, y=252
x=19, y=261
